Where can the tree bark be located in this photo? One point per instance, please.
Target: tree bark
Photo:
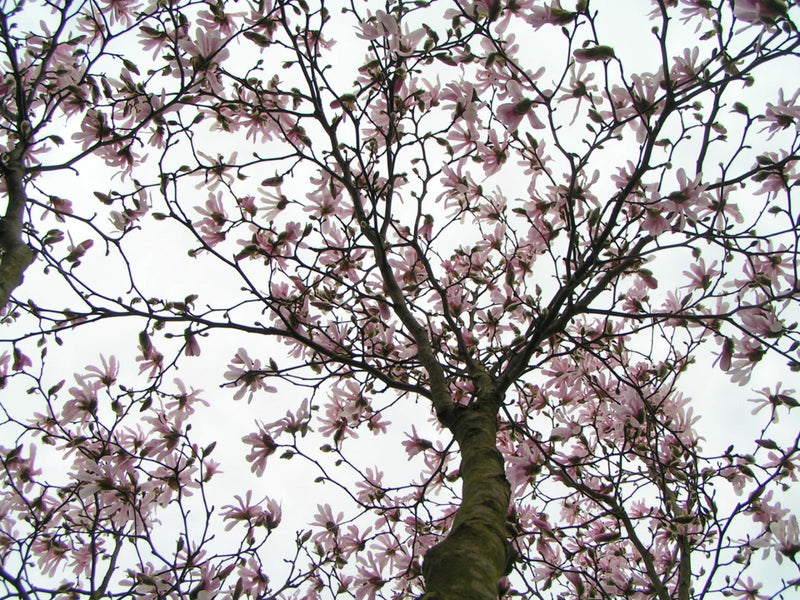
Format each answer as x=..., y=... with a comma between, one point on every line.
x=475, y=555
x=16, y=254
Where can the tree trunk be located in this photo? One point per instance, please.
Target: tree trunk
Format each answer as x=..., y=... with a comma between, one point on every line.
x=470, y=561
x=15, y=255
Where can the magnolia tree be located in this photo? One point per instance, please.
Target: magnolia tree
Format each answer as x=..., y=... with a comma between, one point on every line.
x=489, y=237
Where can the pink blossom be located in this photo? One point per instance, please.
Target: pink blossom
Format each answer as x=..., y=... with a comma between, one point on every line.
x=21, y=360
x=253, y=578
x=252, y=514
x=726, y=355
x=749, y=590
x=151, y=360
x=762, y=322
x=785, y=538
x=687, y=200
x=325, y=200
x=772, y=399
x=82, y=406
x=294, y=422
x=654, y=222
x=120, y=11
x=166, y=433
x=325, y=520
x=21, y=471
x=700, y=9
x=685, y=68
x=523, y=466
x=370, y=577
x=700, y=276
x=759, y=11
x=274, y=203
x=84, y=558
x=184, y=401
x=460, y=190
x=377, y=423
x=511, y=114
x=154, y=39
x=353, y=540
x=248, y=375
x=107, y=374
x=550, y=13
x=93, y=129
x=579, y=87
x=493, y=154
x=783, y=114
x=415, y=444
x=192, y=346
x=749, y=352
x=50, y=551
x=206, y=50
x=148, y=583
x=465, y=101
x=370, y=489
x=261, y=447
x=174, y=477
x=214, y=219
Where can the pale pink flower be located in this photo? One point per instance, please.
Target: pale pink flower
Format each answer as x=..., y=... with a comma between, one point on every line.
x=700, y=9
x=325, y=520
x=49, y=551
x=700, y=276
x=262, y=446
x=21, y=360
x=151, y=360
x=148, y=583
x=579, y=87
x=370, y=577
x=465, y=101
x=293, y=422
x=377, y=424
x=252, y=514
x=512, y=113
x=749, y=590
x=654, y=222
x=688, y=199
x=772, y=399
x=82, y=406
x=783, y=114
x=192, y=347
x=83, y=559
x=759, y=11
x=370, y=488
x=107, y=374
x=786, y=538
x=386, y=549
x=415, y=444
x=685, y=68
x=550, y=13
x=493, y=154
x=248, y=375
x=761, y=322
x=206, y=50
x=165, y=435
x=353, y=540
x=93, y=129
x=253, y=578
x=184, y=401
